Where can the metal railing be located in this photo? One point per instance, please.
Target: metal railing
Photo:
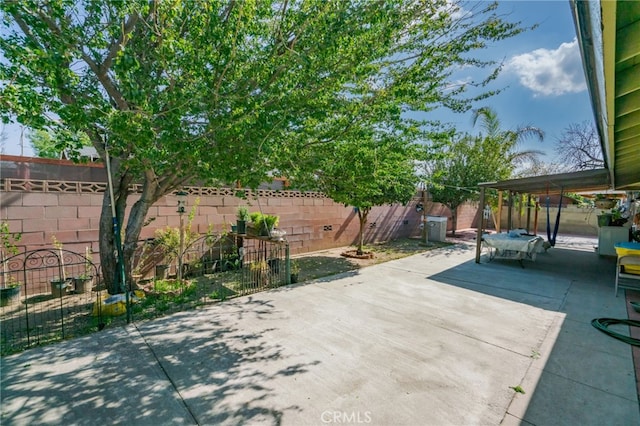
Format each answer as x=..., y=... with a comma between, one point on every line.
x=46, y=295
x=54, y=294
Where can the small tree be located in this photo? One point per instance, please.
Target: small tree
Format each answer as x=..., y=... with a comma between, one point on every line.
x=367, y=173
x=453, y=176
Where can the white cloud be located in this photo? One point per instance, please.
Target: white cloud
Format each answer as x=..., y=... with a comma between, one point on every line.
x=550, y=72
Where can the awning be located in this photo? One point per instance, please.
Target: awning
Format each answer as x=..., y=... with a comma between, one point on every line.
x=583, y=181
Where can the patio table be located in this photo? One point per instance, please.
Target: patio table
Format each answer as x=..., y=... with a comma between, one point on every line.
x=513, y=246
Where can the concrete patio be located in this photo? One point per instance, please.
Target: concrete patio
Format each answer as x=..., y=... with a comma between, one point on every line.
x=432, y=339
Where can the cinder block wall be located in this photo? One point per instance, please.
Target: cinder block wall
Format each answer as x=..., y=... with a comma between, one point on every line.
x=43, y=198
x=312, y=222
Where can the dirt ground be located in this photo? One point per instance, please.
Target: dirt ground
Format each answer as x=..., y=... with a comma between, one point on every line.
x=329, y=262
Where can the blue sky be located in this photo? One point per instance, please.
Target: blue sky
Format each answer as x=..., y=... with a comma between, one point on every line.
x=543, y=76
x=543, y=80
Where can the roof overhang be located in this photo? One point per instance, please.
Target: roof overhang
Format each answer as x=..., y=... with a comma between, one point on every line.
x=609, y=37
x=597, y=180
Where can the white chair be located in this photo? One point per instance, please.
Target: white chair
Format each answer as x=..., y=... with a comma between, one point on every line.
x=627, y=260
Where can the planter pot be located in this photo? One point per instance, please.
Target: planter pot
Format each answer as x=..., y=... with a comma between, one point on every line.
x=604, y=220
x=241, y=226
x=294, y=278
x=59, y=287
x=264, y=232
x=82, y=285
x=9, y=295
x=234, y=228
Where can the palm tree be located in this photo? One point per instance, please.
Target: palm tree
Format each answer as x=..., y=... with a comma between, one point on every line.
x=490, y=122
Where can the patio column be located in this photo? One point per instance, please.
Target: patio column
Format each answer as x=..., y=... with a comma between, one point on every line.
x=479, y=234
x=509, y=223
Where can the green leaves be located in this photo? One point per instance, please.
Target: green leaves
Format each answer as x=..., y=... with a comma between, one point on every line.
x=239, y=90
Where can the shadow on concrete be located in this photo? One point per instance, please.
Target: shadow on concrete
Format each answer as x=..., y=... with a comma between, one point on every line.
x=188, y=368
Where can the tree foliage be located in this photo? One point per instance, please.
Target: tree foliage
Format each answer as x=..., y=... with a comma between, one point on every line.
x=453, y=177
x=490, y=156
x=230, y=90
x=43, y=144
x=369, y=172
x=50, y=145
x=512, y=139
x=578, y=147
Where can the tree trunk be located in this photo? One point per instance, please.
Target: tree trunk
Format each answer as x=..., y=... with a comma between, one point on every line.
x=108, y=249
x=151, y=192
x=454, y=220
x=362, y=215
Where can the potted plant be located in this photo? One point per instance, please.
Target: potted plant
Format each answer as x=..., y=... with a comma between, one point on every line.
x=60, y=285
x=82, y=283
x=264, y=223
x=616, y=217
x=603, y=202
x=242, y=218
x=10, y=293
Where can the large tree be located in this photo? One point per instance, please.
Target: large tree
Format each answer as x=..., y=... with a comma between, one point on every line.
x=578, y=147
x=228, y=90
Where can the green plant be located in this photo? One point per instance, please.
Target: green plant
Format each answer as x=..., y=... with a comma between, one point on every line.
x=255, y=217
x=617, y=218
x=171, y=285
x=231, y=262
x=260, y=273
x=294, y=267
x=243, y=214
x=271, y=221
x=220, y=294
x=264, y=222
x=88, y=270
x=11, y=282
x=9, y=247
x=9, y=239
x=169, y=237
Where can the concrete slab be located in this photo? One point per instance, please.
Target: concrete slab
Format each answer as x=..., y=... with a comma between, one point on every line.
x=433, y=339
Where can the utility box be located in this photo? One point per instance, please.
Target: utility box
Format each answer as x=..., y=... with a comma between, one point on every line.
x=437, y=226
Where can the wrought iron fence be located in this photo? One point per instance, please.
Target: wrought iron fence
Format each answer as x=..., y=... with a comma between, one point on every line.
x=46, y=295
x=215, y=270
x=53, y=294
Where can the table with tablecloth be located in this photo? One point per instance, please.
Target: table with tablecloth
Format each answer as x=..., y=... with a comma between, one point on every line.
x=513, y=246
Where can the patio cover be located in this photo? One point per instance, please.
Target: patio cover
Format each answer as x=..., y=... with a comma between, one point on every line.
x=582, y=181
x=597, y=180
